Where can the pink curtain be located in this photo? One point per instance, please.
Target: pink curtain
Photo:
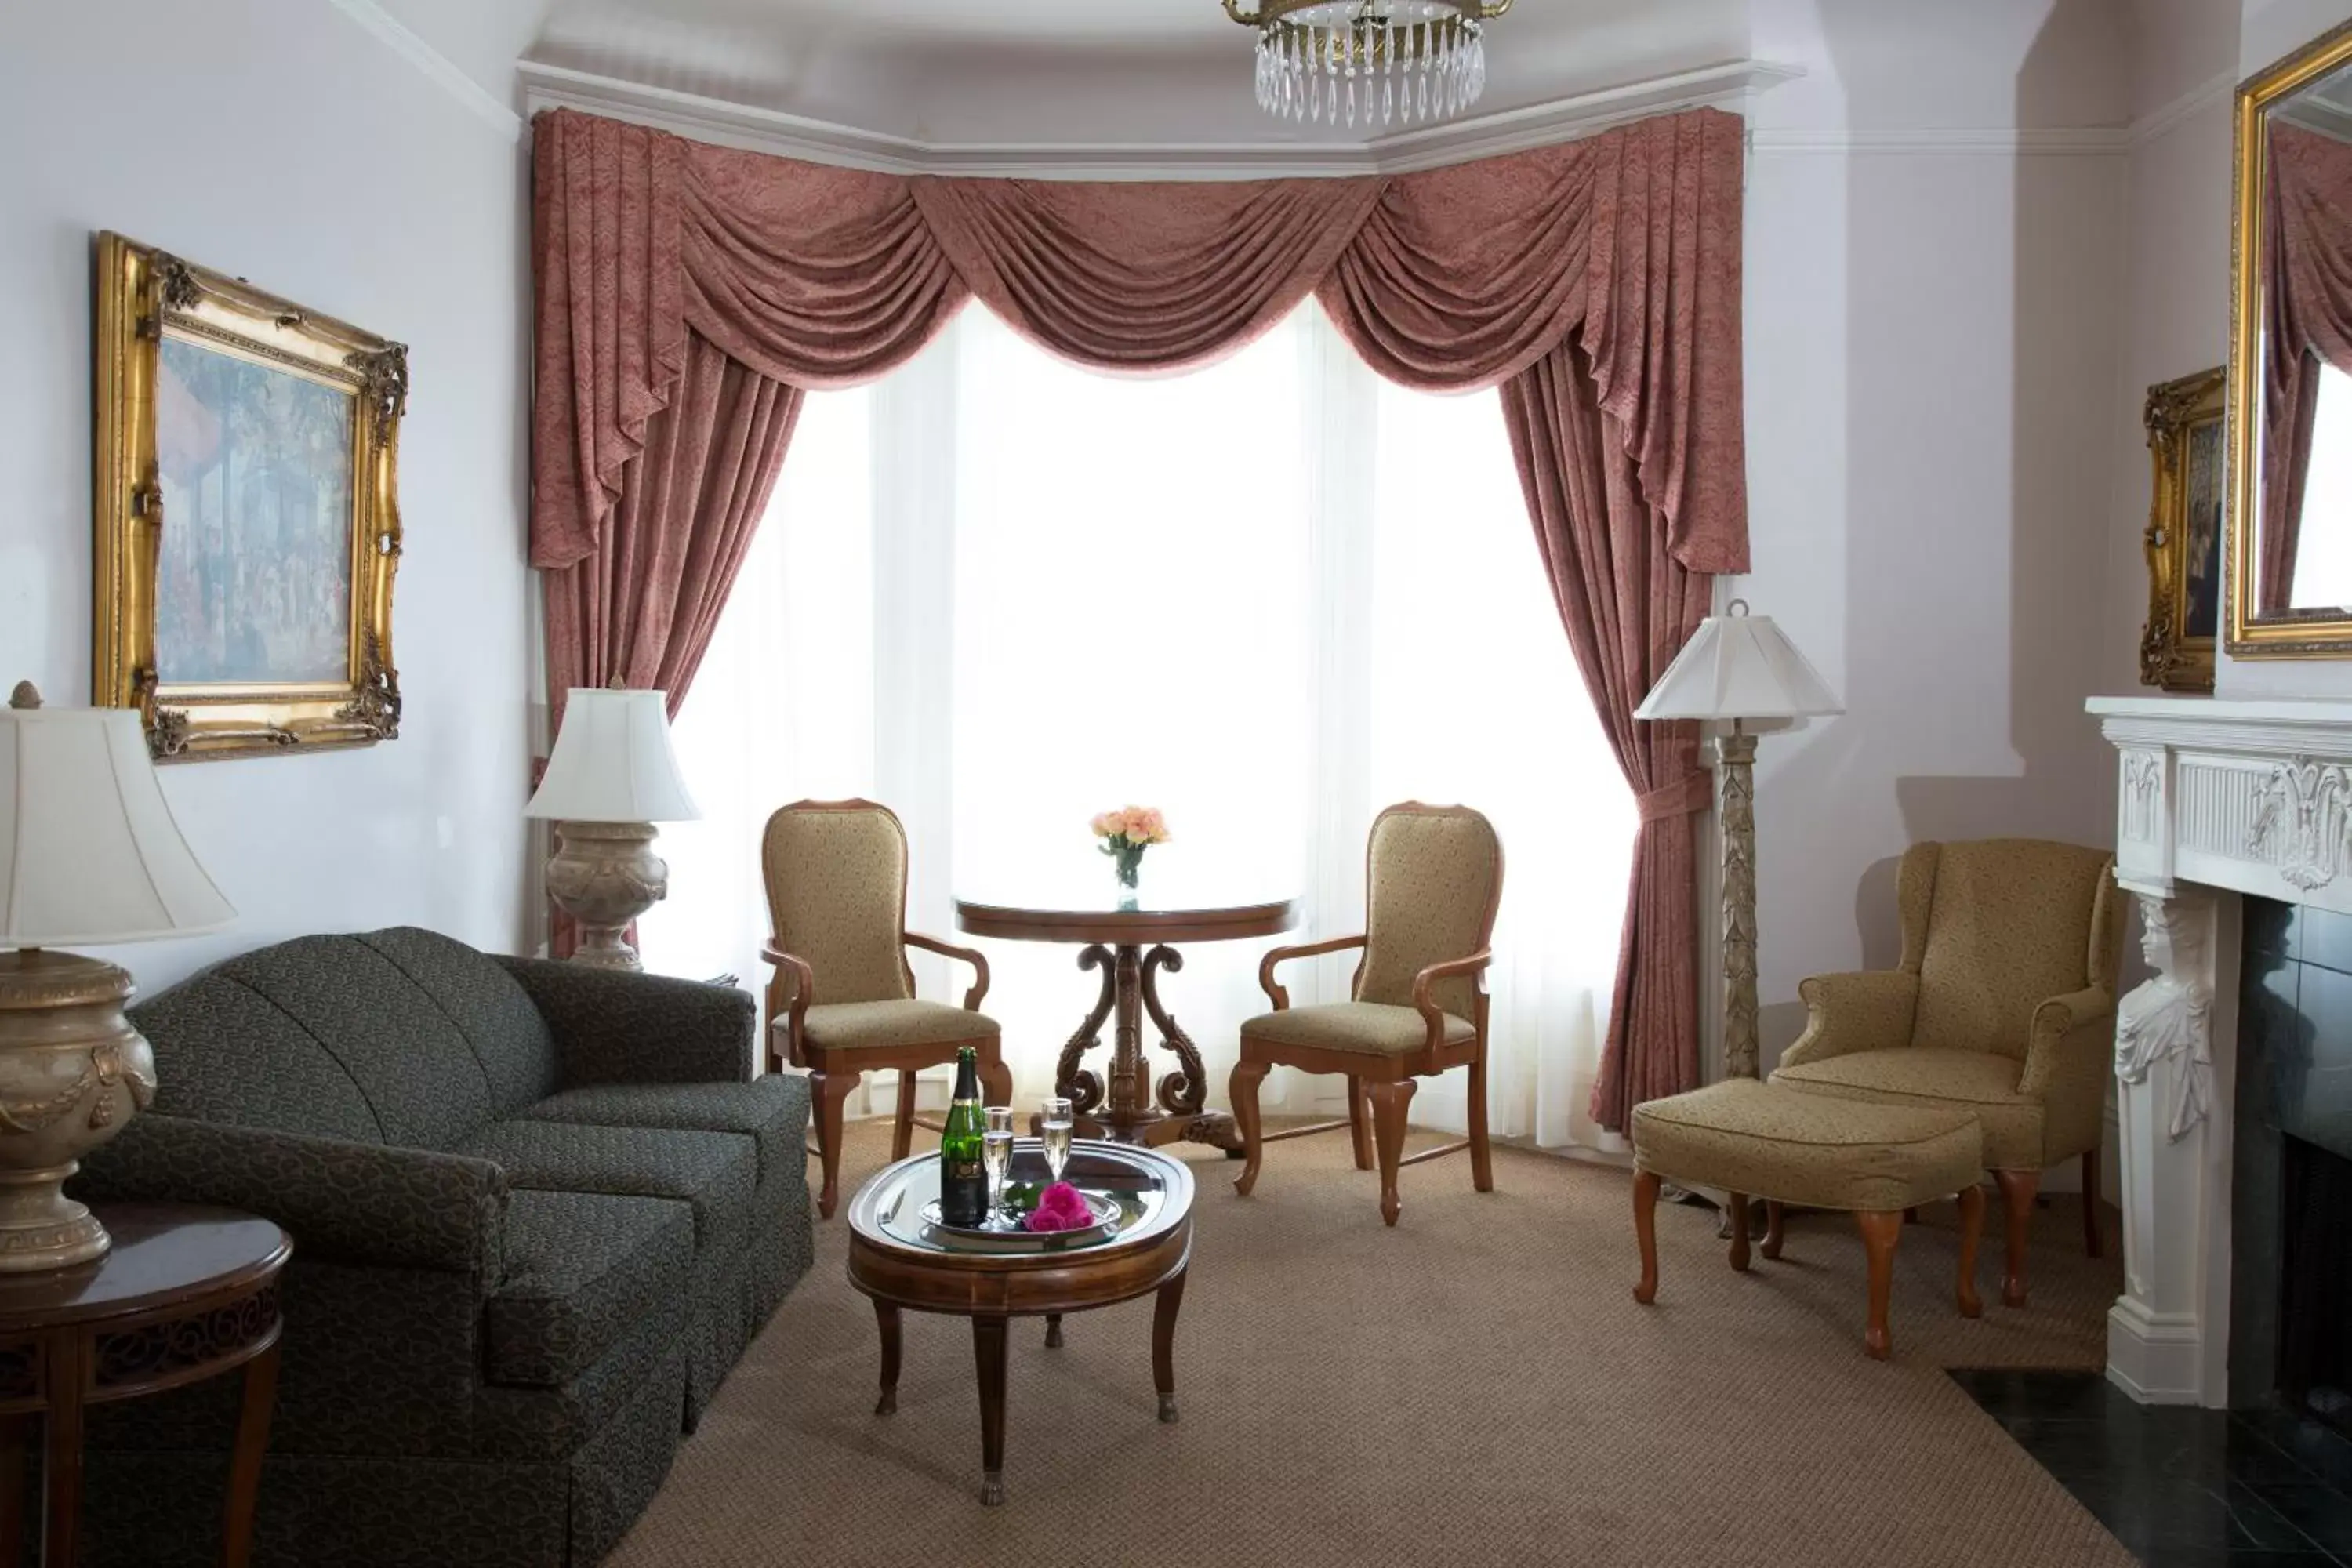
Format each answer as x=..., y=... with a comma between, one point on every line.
x=2307, y=324
x=654, y=250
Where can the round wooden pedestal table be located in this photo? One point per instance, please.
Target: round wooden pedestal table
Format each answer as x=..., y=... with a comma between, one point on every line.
x=1133, y=945
x=184, y=1293
x=903, y=1263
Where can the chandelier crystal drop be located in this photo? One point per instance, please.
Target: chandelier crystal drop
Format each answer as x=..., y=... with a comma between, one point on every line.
x=1374, y=64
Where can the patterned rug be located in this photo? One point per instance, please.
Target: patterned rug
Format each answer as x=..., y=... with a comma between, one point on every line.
x=1475, y=1386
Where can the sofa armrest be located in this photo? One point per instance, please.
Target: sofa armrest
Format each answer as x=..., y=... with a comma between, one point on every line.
x=2070, y=1035
x=615, y=1026
x=1867, y=1010
x=341, y=1202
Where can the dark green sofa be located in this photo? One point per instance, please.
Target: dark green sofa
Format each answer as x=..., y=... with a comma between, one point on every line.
x=538, y=1213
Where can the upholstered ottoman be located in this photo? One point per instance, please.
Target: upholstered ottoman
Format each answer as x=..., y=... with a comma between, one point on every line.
x=1754, y=1140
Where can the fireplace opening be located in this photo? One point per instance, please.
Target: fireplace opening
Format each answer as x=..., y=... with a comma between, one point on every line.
x=2315, y=1332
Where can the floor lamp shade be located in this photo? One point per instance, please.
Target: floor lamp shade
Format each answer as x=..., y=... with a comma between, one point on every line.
x=88, y=853
x=612, y=776
x=1739, y=666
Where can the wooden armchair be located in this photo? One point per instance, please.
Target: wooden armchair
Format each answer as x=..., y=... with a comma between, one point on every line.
x=841, y=1001
x=1433, y=876
x=2003, y=1007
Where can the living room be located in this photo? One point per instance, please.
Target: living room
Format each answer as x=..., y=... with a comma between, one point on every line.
x=1497, y=661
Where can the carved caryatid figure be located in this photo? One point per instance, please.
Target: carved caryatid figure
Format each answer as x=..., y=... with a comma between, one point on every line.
x=2172, y=1014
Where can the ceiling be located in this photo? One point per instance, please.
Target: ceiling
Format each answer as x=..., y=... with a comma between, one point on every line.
x=1027, y=72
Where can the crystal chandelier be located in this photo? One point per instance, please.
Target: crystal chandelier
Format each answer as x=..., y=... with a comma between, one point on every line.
x=1370, y=62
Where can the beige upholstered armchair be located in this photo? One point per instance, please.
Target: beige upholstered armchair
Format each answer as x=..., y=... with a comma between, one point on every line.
x=1433, y=876
x=2004, y=1007
x=842, y=1000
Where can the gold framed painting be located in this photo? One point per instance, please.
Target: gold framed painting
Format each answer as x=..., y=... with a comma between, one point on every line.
x=2186, y=443
x=247, y=520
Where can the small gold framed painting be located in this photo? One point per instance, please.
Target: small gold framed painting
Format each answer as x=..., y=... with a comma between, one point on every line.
x=246, y=521
x=2184, y=532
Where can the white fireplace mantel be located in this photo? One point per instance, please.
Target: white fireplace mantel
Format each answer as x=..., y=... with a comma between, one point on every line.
x=2215, y=799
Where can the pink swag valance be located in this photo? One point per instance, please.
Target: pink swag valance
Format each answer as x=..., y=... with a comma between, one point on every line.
x=1452, y=279
x=688, y=294
x=2307, y=321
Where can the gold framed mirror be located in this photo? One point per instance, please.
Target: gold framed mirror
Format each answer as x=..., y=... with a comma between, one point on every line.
x=2290, y=389
x=2184, y=531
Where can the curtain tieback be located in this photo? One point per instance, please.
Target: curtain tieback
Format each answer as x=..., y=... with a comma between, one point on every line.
x=1692, y=792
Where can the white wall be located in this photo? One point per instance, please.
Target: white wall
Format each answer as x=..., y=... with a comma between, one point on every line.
x=1932, y=339
x=280, y=140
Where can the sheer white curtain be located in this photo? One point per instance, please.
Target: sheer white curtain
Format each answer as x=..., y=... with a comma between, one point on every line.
x=1004, y=593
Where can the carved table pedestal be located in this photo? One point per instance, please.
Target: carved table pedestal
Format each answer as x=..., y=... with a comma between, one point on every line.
x=1132, y=946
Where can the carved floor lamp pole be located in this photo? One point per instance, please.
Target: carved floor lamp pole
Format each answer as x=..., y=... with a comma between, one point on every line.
x=1744, y=670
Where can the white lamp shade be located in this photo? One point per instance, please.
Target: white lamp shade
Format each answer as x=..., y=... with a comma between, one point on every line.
x=88, y=852
x=1739, y=665
x=613, y=763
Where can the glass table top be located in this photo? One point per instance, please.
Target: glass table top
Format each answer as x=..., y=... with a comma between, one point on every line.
x=1150, y=1192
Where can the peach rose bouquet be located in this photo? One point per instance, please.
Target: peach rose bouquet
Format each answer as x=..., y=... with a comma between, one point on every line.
x=1126, y=834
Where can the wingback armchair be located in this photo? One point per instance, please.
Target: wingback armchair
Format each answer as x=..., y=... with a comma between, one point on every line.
x=841, y=999
x=2003, y=1007
x=1434, y=878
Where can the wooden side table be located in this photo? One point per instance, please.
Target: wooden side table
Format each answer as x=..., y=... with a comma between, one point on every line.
x=185, y=1293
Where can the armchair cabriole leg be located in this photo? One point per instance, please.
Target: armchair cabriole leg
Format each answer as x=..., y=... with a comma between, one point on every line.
x=902, y=1123
x=1390, y=1103
x=1972, y=1210
x=1359, y=1123
x=1775, y=1217
x=1241, y=1089
x=1645, y=1235
x=1481, y=1158
x=829, y=1091
x=2017, y=1191
x=995, y=1078
x=1740, y=1232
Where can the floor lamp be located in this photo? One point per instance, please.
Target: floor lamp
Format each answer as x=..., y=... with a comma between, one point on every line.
x=1744, y=670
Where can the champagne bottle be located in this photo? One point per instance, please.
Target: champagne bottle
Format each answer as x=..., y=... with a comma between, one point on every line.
x=963, y=1171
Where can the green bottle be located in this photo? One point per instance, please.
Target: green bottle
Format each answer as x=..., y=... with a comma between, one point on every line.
x=963, y=1171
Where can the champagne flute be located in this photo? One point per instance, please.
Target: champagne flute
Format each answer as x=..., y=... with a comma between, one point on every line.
x=997, y=1154
x=1054, y=1129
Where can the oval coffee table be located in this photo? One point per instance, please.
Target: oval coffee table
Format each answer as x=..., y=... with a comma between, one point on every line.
x=1115, y=933
x=903, y=1263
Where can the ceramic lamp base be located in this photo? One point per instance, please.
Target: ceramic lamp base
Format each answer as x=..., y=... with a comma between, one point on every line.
x=72, y=1072
x=604, y=875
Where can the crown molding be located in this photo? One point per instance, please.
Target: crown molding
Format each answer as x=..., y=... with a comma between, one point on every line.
x=2169, y=117
x=731, y=124
x=437, y=65
x=1999, y=141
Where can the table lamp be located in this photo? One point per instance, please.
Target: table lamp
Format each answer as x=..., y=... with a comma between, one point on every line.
x=612, y=778
x=88, y=853
x=1743, y=668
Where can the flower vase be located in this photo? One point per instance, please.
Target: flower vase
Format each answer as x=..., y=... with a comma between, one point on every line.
x=1129, y=863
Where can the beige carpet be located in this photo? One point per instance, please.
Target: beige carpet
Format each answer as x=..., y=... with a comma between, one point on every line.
x=1475, y=1386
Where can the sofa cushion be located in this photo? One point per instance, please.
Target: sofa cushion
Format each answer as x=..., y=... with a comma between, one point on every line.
x=772, y=1111
x=1975, y=1083
x=414, y=1065
x=489, y=1006
x=713, y=1172
x=225, y=1053
x=581, y=1269
x=1373, y=1026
